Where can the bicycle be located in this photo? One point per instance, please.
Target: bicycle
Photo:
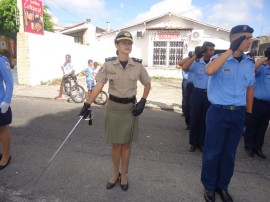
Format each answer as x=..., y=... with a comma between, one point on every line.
x=102, y=98
x=72, y=89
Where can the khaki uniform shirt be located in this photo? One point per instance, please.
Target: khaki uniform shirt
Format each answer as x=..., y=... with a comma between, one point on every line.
x=123, y=81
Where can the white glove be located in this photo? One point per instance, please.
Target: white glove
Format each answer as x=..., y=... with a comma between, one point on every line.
x=4, y=107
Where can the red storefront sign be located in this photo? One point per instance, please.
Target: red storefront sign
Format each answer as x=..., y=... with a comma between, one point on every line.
x=168, y=36
x=33, y=16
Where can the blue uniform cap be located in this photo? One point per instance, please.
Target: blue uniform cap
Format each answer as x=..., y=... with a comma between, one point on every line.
x=241, y=28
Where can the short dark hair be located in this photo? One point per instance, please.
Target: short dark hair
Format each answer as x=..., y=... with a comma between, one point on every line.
x=90, y=61
x=208, y=43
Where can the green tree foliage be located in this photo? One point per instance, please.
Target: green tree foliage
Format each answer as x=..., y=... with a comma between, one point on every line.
x=8, y=26
x=47, y=19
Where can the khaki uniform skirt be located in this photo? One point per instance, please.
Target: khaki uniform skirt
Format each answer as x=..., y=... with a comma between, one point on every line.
x=120, y=123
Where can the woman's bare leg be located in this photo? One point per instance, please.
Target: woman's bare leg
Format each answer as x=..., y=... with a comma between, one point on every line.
x=124, y=162
x=5, y=144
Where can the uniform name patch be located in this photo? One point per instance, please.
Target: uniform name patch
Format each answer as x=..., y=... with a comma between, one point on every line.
x=226, y=70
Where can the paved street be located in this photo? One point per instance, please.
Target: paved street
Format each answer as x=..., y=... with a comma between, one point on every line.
x=161, y=168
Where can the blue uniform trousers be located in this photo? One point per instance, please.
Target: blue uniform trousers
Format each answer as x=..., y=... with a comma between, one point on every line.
x=199, y=107
x=223, y=132
x=187, y=98
x=257, y=126
x=184, y=84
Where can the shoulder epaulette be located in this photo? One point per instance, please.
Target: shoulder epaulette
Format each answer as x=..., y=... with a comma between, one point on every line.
x=137, y=60
x=110, y=59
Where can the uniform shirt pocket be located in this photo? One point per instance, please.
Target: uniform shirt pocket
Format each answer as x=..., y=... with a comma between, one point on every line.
x=267, y=74
x=133, y=80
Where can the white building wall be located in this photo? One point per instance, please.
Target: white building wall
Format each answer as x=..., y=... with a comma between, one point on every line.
x=47, y=55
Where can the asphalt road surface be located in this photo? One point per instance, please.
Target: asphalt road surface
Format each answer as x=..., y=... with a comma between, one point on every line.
x=161, y=167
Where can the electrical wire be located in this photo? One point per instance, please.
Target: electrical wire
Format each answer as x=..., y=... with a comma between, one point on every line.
x=75, y=16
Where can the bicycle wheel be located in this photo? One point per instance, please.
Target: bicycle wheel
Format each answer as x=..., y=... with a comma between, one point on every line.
x=101, y=99
x=77, y=94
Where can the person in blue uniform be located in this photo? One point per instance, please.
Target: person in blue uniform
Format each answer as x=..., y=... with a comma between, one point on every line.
x=6, y=90
x=184, y=81
x=258, y=121
x=230, y=92
x=199, y=102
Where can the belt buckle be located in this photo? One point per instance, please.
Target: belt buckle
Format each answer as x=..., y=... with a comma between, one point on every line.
x=232, y=108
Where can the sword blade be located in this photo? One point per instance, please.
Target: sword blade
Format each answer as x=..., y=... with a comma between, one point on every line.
x=57, y=151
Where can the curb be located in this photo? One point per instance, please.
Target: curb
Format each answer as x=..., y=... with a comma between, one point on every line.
x=149, y=106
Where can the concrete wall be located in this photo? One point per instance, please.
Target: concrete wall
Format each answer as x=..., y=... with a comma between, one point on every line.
x=40, y=57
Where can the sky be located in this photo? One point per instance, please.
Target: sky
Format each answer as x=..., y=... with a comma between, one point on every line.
x=122, y=13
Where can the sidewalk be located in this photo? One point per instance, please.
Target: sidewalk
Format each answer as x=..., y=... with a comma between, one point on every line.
x=165, y=94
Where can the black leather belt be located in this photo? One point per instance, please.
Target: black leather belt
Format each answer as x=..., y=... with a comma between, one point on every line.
x=200, y=89
x=264, y=101
x=230, y=107
x=122, y=100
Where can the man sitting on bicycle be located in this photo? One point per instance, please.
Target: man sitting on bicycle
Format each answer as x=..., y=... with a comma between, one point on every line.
x=89, y=73
x=68, y=70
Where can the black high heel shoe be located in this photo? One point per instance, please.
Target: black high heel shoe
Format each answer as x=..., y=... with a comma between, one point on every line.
x=124, y=187
x=111, y=185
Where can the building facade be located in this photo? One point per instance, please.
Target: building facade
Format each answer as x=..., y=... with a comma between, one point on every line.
x=162, y=41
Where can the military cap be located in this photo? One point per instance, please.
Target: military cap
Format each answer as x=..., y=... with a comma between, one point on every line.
x=208, y=43
x=241, y=28
x=190, y=53
x=123, y=35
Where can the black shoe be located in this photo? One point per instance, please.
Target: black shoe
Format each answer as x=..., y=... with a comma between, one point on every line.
x=111, y=185
x=2, y=167
x=192, y=148
x=124, y=187
x=250, y=152
x=224, y=195
x=260, y=154
x=200, y=148
x=209, y=195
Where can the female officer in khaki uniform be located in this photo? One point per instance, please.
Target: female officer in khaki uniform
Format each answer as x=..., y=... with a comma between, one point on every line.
x=121, y=124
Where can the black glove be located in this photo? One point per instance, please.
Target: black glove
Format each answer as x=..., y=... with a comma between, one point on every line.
x=267, y=54
x=139, y=107
x=85, y=111
x=236, y=43
x=200, y=53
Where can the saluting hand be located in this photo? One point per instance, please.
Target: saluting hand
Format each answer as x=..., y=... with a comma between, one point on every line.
x=85, y=111
x=200, y=53
x=139, y=107
x=237, y=42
